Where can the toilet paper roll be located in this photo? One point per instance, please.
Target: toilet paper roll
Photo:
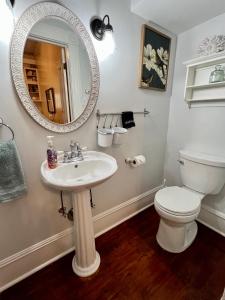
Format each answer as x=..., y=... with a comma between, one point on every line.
x=138, y=161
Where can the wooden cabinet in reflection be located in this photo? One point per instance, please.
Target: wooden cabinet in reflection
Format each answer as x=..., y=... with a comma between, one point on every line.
x=32, y=82
x=46, y=79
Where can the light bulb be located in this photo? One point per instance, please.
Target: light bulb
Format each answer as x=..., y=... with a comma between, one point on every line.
x=7, y=22
x=106, y=47
x=109, y=43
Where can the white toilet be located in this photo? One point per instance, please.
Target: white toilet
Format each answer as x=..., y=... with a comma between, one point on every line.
x=178, y=207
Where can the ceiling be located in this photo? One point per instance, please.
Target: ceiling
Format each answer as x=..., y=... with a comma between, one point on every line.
x=178, y=15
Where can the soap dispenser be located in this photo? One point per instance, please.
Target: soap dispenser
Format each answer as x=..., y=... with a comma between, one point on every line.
x=51, y=153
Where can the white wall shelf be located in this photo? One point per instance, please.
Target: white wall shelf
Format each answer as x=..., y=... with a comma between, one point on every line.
x=197, y=86
x=205, y=99
x=206, y=86
x=31, y=77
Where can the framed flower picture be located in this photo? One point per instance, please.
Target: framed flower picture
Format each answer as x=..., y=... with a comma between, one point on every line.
x=154, y=64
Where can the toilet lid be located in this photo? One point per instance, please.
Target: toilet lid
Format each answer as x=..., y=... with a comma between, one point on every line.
x=179, y=201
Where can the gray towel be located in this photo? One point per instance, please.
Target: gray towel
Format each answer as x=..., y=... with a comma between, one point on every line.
x=12, y=183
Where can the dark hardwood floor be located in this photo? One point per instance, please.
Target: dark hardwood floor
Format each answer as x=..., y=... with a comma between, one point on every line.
x=133, y=266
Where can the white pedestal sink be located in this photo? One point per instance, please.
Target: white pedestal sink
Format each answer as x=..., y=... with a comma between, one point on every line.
x=78, y=177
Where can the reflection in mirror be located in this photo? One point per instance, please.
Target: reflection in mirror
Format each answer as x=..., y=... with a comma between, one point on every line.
x=57, y=70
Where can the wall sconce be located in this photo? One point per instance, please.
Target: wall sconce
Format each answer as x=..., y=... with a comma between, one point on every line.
x=99, y=27
x=102, y=31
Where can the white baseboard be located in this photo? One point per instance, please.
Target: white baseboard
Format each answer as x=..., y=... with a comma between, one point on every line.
x=213, y=219
x=30, y=260
x=105, y=221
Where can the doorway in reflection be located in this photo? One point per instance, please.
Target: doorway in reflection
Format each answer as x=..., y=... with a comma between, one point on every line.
x=47, y=78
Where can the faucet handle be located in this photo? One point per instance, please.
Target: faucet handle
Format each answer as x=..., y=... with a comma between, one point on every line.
x=65, y=156
x=84, y=148
x=79, y=148
x=77, y=145
x=80, y=152
x=74, y=146
x=72, y=143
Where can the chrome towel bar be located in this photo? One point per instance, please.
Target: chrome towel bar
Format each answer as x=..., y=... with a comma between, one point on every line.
x=145, y=112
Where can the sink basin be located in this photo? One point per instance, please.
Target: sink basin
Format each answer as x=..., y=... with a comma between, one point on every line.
x=78, y=177
x=74, y=176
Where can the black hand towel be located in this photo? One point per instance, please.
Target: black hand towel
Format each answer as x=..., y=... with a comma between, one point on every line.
x=128, y=119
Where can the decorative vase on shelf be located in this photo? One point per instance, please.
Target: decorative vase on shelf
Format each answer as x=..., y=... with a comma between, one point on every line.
x=217, y=75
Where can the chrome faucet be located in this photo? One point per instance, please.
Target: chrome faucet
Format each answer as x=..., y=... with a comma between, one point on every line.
x=75, y=153
x=66, y=157
x=73, y=148
x=78, y=153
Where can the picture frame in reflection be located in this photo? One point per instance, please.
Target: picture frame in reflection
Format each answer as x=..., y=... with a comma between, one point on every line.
x=50, y=98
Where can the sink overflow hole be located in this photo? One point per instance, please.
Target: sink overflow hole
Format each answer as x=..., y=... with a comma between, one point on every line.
x=75, y=166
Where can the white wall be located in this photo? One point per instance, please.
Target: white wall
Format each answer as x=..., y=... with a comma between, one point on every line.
x=200, y=128
x=34, y=217
x=119, y=92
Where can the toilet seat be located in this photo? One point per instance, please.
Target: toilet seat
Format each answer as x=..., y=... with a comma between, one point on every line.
x=178, y=201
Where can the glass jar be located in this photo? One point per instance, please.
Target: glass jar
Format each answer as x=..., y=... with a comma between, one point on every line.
x=217, y=75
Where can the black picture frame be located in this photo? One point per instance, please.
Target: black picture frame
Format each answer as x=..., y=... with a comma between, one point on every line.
x=154, y=60
x=50, y=98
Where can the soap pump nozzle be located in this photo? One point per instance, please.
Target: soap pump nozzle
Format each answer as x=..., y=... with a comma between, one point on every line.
x=50, y=140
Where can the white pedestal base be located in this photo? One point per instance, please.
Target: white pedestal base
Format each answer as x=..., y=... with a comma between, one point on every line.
x=86, y=260
x=86, y=271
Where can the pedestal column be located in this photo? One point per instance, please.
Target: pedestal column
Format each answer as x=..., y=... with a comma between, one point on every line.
x=86, y=260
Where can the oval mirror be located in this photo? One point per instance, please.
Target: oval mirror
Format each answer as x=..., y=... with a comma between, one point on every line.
x=54, y=67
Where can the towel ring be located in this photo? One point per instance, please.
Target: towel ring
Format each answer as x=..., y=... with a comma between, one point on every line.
x=3, y=124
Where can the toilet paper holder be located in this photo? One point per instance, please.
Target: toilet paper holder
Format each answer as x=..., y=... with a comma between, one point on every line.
x=135, y=161
x=130, y=161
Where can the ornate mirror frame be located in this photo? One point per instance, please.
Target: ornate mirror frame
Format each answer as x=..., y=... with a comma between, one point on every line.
x=29, y=18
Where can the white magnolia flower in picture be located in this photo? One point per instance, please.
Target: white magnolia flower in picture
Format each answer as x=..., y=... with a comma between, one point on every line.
x=161, y=74
x=165, y=71
x=156, y=60
x=166, y=56
x=145, y=84
x=149, y=58
x=163, y=55
x=159, y=71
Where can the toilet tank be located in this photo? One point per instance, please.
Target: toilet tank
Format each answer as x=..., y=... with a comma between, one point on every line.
x=201, y=172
